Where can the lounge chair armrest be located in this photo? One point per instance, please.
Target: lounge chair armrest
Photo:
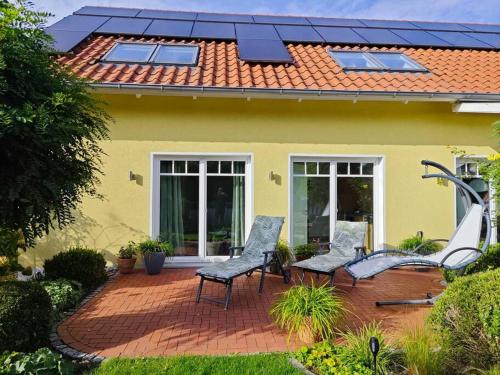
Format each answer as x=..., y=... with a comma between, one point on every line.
x=360, y=251
x=233, y=248
x=415, y=250
x=456, y=251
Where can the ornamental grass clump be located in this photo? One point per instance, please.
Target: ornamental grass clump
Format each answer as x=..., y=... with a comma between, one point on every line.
x=424, y=352
x=308, y=312
x=358, y=350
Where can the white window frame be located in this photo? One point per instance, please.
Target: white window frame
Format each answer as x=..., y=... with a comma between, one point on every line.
x=203, y=158
x=492, y=202
x=378, y=161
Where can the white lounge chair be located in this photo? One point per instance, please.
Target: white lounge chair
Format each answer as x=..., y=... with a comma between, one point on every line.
x=461, y=250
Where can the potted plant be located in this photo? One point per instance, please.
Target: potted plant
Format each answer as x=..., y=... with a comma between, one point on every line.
x=283, y=256
x=154, y=253
x=305, y=251
x=309, y=312
x=126, y=258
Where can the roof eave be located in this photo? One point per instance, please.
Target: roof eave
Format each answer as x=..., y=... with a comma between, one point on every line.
x=283, y=93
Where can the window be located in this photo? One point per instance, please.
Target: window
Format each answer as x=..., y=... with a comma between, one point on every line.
x=133, y=52
x=468, y=170
x=379, y=61
x=201, y=204
x=153, y=53
x=176, y=55
x=325, y=191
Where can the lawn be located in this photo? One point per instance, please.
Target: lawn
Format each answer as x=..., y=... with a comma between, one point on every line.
x=199, y=365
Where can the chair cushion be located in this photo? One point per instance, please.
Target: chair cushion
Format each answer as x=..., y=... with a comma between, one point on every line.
x=347, y=236
x=323, y=263
x=230, y=268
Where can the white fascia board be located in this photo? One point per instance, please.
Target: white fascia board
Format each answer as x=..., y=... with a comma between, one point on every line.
x=477, y=107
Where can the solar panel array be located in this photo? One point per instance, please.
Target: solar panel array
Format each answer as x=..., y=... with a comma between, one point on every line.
x=261, y=38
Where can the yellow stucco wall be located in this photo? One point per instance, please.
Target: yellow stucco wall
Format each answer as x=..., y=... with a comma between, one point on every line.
x=271, y=130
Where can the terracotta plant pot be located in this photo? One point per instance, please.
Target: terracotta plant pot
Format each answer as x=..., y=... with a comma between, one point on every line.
x=153, y=262
x=299, y=258
x=126, y=265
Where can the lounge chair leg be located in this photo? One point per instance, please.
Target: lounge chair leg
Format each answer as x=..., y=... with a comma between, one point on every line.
x=200, y=287
x=353, y=281
x=332, y=278
x=229, y=290
x=317, y=276
x=263, y=274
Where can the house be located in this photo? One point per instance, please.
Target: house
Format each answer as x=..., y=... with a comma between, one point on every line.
x=220, y=117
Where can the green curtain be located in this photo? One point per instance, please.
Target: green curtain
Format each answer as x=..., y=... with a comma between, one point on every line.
x=238, y=217
x=171, y=223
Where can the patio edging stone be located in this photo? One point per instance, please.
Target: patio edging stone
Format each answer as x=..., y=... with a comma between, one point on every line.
x=57, y=342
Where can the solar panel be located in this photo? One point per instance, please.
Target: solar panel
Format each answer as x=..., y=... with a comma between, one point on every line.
x=342, y=35
x=421, y=38
x=380, y=36
x=108, y=11
x=170, y=28
x=319, y=21
x=122, y=25
x=389, y=24
x=79, y=23
x=484, y=28
x=167, y=14
x=220, y=17
x=281, y=20
x=491, y=39
x=298, y=34
x=441, y=26
x=64, y=40
x=253, y=31
x=458, y=39
x=213, y=30
x=263, y=50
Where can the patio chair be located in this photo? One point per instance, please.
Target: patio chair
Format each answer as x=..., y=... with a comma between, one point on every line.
x=347, y=245
x=256, y=255
x=461, y=250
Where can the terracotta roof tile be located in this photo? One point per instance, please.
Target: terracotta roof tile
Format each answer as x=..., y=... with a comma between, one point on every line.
x=450, y=71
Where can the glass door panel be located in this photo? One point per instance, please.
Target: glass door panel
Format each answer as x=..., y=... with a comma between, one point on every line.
x=311, y=203
x=225, y=207
x=355, y=195
x=179, y=206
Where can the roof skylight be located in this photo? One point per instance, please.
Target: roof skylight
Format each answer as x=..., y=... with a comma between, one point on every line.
x=379, y=61
x=153, y=53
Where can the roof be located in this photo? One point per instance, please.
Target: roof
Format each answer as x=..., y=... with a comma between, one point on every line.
x=451, y=70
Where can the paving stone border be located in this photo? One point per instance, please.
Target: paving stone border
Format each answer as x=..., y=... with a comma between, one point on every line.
x=59, y=345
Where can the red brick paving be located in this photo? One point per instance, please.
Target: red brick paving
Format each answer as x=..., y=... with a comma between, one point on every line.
x=140, y=315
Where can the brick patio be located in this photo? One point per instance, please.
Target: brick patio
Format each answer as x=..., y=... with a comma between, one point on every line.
x=139, y=315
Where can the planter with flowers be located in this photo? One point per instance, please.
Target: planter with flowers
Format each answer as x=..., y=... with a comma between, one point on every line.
x=154, y=253
x=126, y=258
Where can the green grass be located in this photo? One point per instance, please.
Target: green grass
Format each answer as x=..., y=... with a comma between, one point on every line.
x=199, y=365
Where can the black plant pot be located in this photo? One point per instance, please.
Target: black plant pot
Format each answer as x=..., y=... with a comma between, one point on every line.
x=154, y=262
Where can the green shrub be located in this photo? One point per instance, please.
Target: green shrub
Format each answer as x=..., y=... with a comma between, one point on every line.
x=284, y=253
x=80, y=264
x=490, y=260
x=43, y=361
x=424, y=351
x=358, y=349
x=25, y=315
x=311, y=308
x=326, y=359
x=63, y=295
x=156, y=246
x=306, y=250
x=413, y=242
x=127, y=251
x=468, y=315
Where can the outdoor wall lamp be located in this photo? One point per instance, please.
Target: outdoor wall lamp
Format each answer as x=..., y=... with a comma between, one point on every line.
x=131, y=176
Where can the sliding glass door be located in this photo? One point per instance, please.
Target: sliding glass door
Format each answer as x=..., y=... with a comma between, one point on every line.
x=200, y=204
x=325, y=191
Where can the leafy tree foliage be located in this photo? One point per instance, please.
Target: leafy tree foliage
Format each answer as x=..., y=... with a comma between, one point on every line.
x=50, y=129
